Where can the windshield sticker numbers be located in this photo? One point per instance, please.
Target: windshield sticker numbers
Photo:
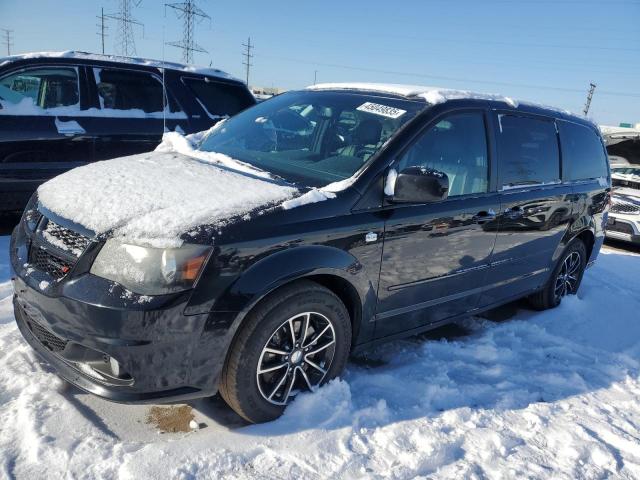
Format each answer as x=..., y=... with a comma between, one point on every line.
x=382, y=110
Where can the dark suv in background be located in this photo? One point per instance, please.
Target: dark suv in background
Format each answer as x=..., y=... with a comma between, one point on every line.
x=62, y=110
x=415, y=210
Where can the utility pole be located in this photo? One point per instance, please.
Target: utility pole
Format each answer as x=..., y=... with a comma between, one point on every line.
x=7, y=39
x=592, y=88
x=247, y=57
x=126, y=43
x=102, y=33
x=190, y=13
x=315, y=76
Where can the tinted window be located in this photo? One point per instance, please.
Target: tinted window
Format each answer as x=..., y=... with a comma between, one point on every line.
x=528, y=151
x=312, y=137
x=42, y=87
x=457, y=146
x=220, y=99
x=583, y=155
x=129, y=90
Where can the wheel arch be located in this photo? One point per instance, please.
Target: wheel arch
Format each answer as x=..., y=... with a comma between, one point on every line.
x=333, y=268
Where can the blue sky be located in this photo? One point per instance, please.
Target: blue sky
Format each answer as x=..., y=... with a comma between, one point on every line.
x=540, y=50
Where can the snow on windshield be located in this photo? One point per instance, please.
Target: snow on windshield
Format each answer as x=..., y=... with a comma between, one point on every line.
x=154, y=198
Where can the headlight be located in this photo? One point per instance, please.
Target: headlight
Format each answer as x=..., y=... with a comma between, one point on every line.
x=150, y=271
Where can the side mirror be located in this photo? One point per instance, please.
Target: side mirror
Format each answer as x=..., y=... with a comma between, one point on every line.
x=420, y=185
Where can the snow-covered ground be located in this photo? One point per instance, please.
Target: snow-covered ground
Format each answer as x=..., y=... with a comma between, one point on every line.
x=542, y=395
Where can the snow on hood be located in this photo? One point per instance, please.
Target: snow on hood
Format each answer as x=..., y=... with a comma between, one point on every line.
x=154, y=198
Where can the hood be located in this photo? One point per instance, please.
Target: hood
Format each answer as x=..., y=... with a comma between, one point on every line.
x=155, y=198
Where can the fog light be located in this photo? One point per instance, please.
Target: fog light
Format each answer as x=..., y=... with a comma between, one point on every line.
x=115, y=366
x=86, y=368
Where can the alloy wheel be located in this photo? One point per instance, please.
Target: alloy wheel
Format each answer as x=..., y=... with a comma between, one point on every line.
x=296, y=357
x=568, y=276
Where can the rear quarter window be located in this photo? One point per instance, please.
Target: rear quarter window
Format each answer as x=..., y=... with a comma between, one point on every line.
x=218, y=98
x=583, y=154
x=528, y=151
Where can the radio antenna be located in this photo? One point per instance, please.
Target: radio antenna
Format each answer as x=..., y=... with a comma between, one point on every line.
x=164, y=89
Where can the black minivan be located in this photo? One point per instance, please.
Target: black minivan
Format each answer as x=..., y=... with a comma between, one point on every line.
x=308, y=227
x=62, y=110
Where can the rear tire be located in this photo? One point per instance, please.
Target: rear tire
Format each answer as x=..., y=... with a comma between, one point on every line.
x=297, y=338
x=565, y=278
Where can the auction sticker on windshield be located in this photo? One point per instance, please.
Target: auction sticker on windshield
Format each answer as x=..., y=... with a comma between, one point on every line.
x=383, y=110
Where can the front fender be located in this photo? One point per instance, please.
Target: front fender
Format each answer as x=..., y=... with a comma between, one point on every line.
x=290, y=264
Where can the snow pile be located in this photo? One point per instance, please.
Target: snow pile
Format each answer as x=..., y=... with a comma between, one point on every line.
x=544, y=395
x=154, y=198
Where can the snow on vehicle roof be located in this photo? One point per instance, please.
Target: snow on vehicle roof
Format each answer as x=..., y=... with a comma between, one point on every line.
x=154, y=198
x=214, y=72
x=433, y=95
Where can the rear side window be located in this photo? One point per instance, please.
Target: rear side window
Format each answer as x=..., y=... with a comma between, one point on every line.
x=528, y=151
x=129, y=90
x=583, y=155
x=42, y=87
x=220, y=99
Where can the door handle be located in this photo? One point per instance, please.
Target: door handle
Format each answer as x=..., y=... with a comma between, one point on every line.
x=484, y=216
x=72, y=133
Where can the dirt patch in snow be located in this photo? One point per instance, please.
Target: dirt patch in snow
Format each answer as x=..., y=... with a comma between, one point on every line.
x=171, y=419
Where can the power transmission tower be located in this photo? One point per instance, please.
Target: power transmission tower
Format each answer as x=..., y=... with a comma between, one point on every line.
x=247, y=57
x=190, y=13
x=592, y=87
x=102, y=33
x=126, y=43
x=7, y=39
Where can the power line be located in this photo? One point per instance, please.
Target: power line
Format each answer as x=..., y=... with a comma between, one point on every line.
x=248, y=56
x=126, y=43
x=190, y=13
x=592, y=88
x=102, y=32
x=452, y=79
x=7, y=39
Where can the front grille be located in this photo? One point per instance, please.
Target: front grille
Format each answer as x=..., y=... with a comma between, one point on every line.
x=620, y=227
x=65, y=239
x=44, y=261
x=50, y=340
x=625, y=208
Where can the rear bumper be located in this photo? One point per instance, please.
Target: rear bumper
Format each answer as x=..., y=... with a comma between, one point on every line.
x=165, y=355
x=14, y=201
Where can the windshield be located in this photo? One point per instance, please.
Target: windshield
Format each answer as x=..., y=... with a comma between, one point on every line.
x=310, y=137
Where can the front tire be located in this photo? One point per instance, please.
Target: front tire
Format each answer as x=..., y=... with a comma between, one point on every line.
x=565, y=278
x=295, y=340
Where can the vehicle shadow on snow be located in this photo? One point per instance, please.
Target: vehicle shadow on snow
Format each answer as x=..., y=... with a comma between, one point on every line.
x=73, y=395
x=509, y=359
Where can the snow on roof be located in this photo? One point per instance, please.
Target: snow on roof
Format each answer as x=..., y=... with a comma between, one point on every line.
x=119, y=59
x=433, y=95
x=154, y=198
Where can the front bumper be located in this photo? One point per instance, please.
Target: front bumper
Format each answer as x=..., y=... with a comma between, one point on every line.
x=165, y=354
x=623, y=227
